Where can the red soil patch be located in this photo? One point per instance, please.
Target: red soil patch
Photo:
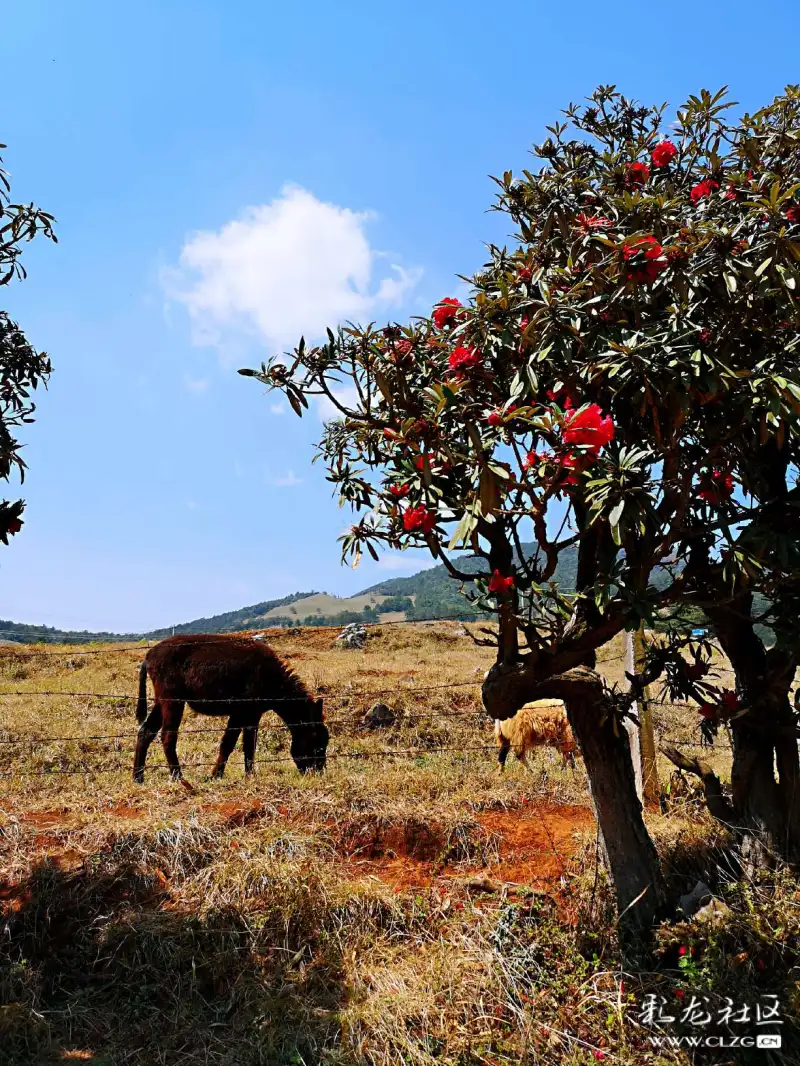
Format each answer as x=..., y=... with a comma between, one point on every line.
x=44, y=819
x=124, y=810
x=535, y=848
x=237, y=814
x=536, y=844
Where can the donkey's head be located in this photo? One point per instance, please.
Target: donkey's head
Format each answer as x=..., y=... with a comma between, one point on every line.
x=310, y=740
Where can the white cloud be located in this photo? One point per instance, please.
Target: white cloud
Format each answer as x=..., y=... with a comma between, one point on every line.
x=197, y=385
x=278, y=408
x=347, y=395
x=283, y=270
x=284, y=481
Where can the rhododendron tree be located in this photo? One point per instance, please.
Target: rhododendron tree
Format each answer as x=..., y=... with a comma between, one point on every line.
x=22, y=368
x=638, y=351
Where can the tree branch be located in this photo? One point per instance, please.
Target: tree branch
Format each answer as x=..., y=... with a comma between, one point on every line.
x=719, y=806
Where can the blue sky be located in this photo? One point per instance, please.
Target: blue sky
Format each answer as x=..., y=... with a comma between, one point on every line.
x=227, y=175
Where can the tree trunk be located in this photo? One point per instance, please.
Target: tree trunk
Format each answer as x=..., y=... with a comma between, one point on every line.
x=767, y=808
x=756, y=797
x=632, y=858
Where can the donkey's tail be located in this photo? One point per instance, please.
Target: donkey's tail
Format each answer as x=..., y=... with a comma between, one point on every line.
x=141, y=702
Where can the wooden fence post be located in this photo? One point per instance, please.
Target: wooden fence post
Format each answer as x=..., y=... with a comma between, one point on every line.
x=630, y=726
x=651, y=789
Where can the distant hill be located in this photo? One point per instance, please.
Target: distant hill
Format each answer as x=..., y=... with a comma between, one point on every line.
x=435, y=592
x=431, y=593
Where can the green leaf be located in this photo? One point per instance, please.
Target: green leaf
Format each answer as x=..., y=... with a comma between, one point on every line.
x=488, y=491
x=463, y=530
x=760, y=270
x=730, y=281
x=383, y=385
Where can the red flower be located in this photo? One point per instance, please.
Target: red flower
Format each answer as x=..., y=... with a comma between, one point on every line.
x=588, y=427
x=402, y=347
x=560, y=396
x=645, y=256
x=399, y=490
x=705, y=336
x=14, y=525
x=495, y=419
x=462, y=359
x=636, y=173
x=682, y=950
x=534, y=458
x=500, y=584
x=707, y=710
x=598, y=1054
x=419, y=518
x=702, y=189
x=524, y=273
x=590, y=222
x=730, y=192
x=729, y=701
x=575, y=465
x=663, y=154
x=719, y=487
x=446, y=311
x=793, y=214
x=679, y=991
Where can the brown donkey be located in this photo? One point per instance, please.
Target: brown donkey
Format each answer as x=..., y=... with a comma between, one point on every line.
x=233, y=677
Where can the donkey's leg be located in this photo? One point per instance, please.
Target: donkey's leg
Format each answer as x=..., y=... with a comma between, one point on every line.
x=249, y=741
x=502, y=753
x=229, y=738
x=148, y=731
x=173, y=715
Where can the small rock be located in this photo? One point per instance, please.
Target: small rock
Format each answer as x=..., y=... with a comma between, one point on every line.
x=352, y=636
x=294, y=631
x=379, y=716
x=461, y=632
x=694, y=900
x=258, y=636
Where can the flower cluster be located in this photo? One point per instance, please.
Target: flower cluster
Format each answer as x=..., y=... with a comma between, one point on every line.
x=663, y=154
x=588, y=429
x=703, y=189
x=419, y=520
x=636, y=174
x=500, y=584
x=464, y=359
x=644, y=258
x=727, y=706
x=718, y=487
x=446, y=312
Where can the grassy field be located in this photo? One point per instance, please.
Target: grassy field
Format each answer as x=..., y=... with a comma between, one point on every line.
x=410, y=906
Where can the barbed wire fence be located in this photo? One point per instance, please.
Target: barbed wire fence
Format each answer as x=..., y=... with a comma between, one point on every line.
x=343, y=724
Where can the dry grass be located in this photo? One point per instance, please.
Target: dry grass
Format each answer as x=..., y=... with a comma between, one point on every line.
x=397, y=910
